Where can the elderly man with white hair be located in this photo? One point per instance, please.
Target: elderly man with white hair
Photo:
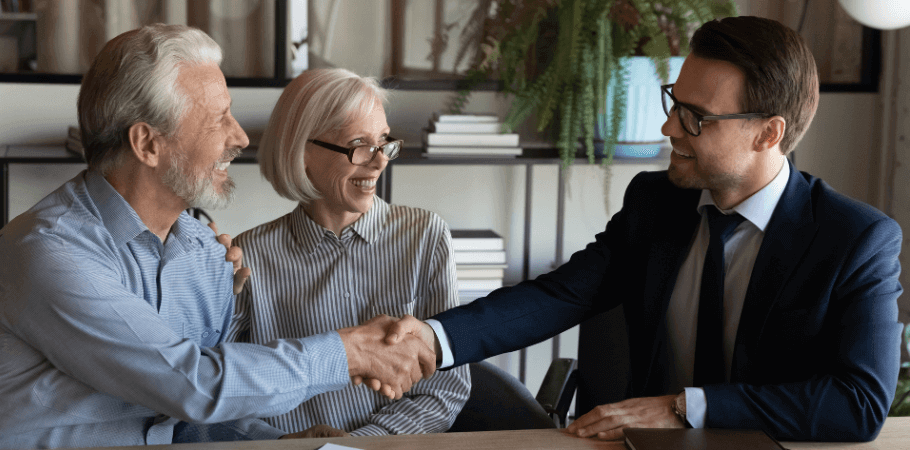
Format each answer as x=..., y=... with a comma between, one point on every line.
x=114, y=302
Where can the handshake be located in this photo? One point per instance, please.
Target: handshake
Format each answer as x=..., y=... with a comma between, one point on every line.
x=386, y=353
x=389, y=355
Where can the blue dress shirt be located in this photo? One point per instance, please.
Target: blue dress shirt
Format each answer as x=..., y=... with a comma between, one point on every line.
x=110, y=337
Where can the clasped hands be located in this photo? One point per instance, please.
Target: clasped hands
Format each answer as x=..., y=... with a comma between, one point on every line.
x=389, y=361
x=408, y=334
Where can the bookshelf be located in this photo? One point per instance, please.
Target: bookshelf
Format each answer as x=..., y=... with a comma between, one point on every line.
x=532, y=155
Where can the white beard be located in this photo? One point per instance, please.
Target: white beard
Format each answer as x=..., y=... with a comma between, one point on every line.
x=198, y=190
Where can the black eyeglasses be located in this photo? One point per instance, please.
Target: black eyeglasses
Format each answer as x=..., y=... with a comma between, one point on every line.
x=364, y=154
x=691, y=120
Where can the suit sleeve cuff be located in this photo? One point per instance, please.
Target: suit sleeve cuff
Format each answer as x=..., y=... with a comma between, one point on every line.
x=696, y=406
x=447, y=357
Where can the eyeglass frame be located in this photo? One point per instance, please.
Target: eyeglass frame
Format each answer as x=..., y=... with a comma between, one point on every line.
x=350, y=151
x=665, y=89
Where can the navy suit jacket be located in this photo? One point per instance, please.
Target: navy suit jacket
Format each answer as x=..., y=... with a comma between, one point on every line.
x=817, y=352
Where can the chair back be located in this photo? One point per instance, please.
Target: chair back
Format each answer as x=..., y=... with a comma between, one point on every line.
x=499, y=402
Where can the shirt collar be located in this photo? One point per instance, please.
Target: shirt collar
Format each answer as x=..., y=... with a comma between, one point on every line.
x=118, y=216
x=122, y=221
x=189, y=232
x=760, y=205
x=370, y=226
x=310, y=234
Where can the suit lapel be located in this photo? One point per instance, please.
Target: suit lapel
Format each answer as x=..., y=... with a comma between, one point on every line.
x=665, y=258
x=787, y=237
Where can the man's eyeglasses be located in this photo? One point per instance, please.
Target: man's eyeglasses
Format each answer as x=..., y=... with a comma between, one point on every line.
x=364, y=154
x=691, y=120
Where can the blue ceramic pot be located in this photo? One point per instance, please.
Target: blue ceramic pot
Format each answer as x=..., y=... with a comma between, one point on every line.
x=640, y=136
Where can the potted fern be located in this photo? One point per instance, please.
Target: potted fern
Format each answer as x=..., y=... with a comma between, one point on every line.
x=565, y=60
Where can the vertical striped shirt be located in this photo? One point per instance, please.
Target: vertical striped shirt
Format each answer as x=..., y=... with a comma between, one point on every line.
x=394, y=260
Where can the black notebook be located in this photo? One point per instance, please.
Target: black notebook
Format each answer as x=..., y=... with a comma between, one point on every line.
x=698, y=438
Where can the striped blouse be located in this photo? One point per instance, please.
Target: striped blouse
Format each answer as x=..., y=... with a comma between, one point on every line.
x=395, y=260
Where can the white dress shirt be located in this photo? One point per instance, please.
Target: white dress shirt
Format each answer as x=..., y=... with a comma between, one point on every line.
x=740, y=252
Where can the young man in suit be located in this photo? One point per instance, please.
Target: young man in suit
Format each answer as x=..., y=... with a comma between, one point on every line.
x=798, y=337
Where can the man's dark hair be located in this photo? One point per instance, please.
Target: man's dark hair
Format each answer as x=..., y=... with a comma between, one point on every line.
x=781, y=76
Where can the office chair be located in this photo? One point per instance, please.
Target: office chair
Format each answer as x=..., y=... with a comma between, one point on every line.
x=600, y=375
x=558, y=388
x=500, y=402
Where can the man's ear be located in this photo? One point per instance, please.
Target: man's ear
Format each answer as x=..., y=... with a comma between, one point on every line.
x=772, y=133
x=145, y=144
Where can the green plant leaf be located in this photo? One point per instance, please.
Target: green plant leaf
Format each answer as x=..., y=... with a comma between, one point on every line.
x=566, y=142
x=582, y=89
x=901, y=404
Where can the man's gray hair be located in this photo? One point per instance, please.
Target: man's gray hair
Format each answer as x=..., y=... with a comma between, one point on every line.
x=133, y=80
x=317, y=102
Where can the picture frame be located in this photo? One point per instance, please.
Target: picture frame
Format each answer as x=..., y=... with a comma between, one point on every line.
x=848, y=55
x=271, y=17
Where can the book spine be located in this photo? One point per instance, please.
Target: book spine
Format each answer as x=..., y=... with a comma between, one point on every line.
x=488, y=257
x=473, y=285
x=463, y=127
x=477, y=244
x=492, y=140
x=466, y=118
x=448, y=150
x=479, y=274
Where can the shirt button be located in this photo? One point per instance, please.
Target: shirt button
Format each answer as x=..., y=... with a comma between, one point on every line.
x=347, y=294
x=206, y=334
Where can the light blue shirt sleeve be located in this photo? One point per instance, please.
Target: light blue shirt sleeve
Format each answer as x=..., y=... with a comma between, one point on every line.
x=696, y=407
x=107, y=340
x=447, y=357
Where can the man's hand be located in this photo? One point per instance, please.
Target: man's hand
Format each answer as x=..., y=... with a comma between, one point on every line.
x=407, y=325
x=608, y=421
x=234, y=256
x=410, y=325
x=390, y=368
x=317, y=431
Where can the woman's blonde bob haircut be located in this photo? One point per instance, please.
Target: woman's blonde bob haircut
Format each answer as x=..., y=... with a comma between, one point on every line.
x=317, y=102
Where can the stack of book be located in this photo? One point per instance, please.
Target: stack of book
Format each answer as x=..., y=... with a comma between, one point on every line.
x=474, y=135
x=480, y=262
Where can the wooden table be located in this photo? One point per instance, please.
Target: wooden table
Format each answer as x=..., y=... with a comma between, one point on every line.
x=895, y=435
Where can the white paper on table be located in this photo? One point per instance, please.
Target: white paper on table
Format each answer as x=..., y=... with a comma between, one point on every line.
x=331, y=446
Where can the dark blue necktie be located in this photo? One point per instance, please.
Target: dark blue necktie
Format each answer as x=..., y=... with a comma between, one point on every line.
x=709, y=343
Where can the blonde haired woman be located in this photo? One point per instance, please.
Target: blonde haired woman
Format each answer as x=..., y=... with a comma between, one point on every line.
x=344, y=255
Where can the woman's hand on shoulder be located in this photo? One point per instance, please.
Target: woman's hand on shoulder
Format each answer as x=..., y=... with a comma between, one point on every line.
x=233, y=255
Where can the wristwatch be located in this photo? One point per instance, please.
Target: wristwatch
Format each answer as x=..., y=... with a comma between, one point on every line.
x=679, y=407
